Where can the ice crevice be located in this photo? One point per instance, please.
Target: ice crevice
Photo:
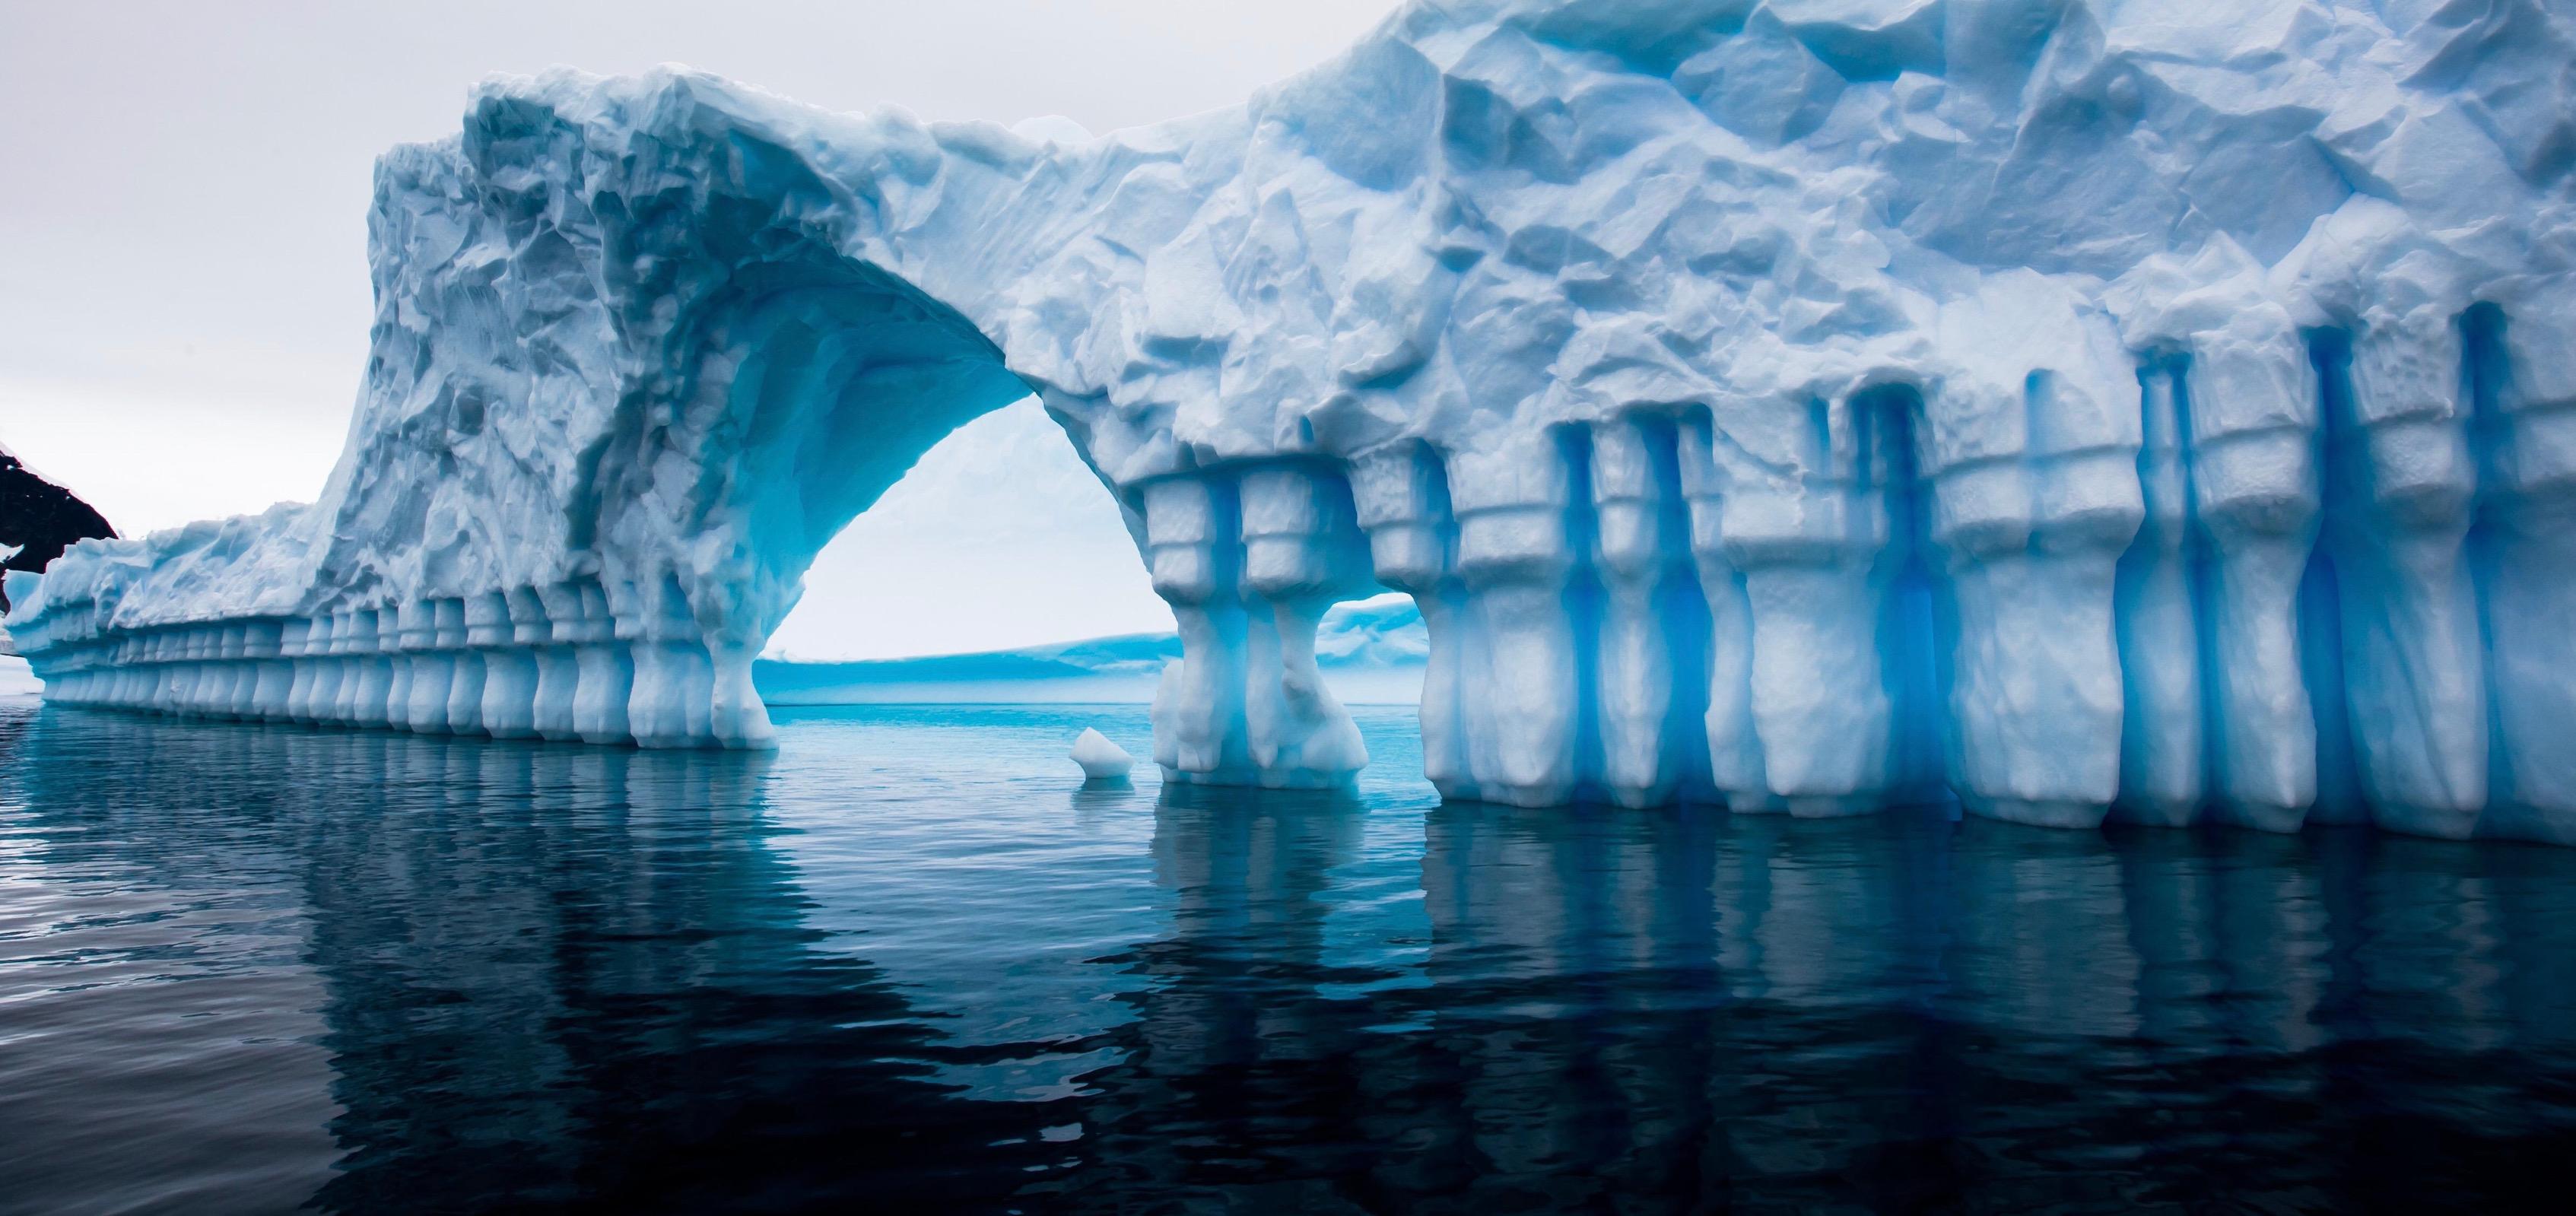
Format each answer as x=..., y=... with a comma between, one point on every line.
x=2075, y=411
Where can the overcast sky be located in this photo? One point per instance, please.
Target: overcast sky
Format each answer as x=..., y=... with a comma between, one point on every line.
x=183, y=281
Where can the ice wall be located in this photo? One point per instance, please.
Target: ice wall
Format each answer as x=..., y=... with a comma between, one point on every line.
x=2152, y=408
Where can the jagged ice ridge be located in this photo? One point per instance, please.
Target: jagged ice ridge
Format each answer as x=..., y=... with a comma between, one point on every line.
x=2156, y=408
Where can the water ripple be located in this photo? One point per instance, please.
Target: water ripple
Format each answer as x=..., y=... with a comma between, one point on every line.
x=911, y=962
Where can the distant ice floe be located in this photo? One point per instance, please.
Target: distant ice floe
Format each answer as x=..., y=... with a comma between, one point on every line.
x=1369, y=651
x=2082, y=408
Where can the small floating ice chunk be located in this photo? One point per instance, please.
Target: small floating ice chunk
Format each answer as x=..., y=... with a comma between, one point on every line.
x=1101, y=760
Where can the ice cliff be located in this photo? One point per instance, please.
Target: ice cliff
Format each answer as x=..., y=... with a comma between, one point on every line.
x=2156, y=408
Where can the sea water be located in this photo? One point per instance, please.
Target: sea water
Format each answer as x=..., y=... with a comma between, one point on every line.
x=912, y=962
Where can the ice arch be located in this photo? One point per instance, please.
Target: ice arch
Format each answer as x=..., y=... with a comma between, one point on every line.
x=639, y=355
x=833, y=378
x=998, y=537
x=2075, y=407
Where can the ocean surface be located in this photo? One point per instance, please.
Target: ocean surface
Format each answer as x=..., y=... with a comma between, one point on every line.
x=910, y=963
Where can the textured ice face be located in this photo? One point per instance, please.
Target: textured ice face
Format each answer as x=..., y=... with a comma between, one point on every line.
x=2149, y=407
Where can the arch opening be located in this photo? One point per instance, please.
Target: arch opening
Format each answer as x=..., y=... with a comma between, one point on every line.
x=834, y=381
x=998, y=540
x=831, y=379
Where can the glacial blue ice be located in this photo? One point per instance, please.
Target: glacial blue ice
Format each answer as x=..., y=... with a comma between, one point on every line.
x=2161, y=409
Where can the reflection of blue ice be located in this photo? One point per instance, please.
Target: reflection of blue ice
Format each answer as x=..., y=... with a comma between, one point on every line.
x=953, y=822
x=1121, y=867
x=912, y=954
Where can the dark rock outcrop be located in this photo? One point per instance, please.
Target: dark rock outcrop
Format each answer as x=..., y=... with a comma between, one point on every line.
x=39, y=519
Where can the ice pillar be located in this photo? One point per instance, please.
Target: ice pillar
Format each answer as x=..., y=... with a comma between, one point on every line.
x=2524, y=371
x=1192, y=544
x=1402, y=499
x=1648, y=644
x=1302, y=551
x=2252, y=396
x=1516, y=561
x=2414, y=672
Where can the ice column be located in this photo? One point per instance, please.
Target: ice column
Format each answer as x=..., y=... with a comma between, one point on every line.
x=294, y=641
x=320, y=683
x=1809, y=535
x=458, y=621
x=668, y=704
x=261, y=693
x=2159, y=632
x=2252, y=398
x=512, y=642
x=2414, y=676
x=1525, y=723
x=1302, y=552
x=370, y=693
x=421, y=682
x=2524, y=374
x=1192, y=545
x=1648, y=743
x=1734, y=748
x=558, y=672
x=736, y=716
x=2033, y=538
x=607, y=674
x=1402, y=499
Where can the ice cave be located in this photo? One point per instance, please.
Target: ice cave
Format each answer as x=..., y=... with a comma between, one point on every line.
x=2152, y=409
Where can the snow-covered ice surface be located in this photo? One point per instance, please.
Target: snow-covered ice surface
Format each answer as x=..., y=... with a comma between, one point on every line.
x=2158, y=408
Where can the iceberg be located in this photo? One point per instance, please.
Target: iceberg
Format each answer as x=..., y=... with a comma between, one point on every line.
x=1101, y=760
x=2080, y=408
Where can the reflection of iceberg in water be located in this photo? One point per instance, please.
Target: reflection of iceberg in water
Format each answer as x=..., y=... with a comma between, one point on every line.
x=153, y=978
x=563, y=977
x=1625, y=1009
x=1232, y=1068
x=551, y=976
